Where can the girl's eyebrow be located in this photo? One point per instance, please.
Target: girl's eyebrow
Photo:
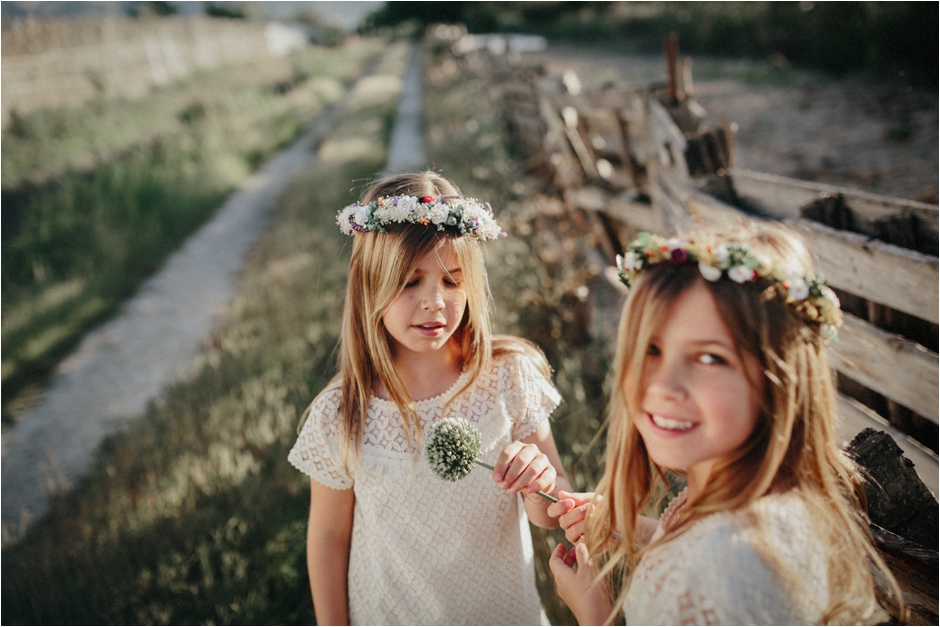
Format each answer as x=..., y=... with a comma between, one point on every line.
x=710, y=341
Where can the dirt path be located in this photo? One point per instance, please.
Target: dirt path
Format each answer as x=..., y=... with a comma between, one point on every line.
x=124, y=364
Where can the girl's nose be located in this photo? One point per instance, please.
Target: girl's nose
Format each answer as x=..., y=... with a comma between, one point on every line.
x=664, y=381
x=433, y=299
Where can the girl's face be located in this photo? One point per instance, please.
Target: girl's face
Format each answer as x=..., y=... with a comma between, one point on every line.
x=430, y=307
x=697, y=401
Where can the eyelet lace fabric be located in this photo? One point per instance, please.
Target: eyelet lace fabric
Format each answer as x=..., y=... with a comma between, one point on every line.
x=426, y=551
x=760, y=566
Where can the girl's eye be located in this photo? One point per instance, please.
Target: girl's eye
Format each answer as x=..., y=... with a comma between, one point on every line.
x=652, y=349
x=710, y=359
x=451, y=282
x=411, y=283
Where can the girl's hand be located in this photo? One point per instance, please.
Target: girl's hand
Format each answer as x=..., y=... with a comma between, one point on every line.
x=572, y=511
x=523, y=467
x=576, y=584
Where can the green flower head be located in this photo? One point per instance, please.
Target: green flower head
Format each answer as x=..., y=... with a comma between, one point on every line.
x=451, y=448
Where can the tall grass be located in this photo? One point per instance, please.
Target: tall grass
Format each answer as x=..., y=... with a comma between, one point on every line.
x=193, y=515
x=79, y=239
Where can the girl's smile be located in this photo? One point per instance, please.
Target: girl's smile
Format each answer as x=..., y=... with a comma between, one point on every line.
x=697, y=403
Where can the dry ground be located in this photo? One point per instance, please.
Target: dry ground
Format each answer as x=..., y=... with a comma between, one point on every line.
x=855, y=131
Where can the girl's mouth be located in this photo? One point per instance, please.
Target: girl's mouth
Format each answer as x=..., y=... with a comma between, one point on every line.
x=670, y=424
x=430, y=329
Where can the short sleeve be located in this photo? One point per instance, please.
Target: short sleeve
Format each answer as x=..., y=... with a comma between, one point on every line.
x=530, y=397
x=317, y=451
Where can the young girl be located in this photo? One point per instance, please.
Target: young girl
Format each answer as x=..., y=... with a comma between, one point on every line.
x=388, y=542
x=721, y=378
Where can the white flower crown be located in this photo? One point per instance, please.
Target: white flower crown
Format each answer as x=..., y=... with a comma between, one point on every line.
x=465, y=215
x=808, y=294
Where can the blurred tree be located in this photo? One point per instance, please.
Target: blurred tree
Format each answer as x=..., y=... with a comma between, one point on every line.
x=156, y=8
x=890, y=38
x=224, y=9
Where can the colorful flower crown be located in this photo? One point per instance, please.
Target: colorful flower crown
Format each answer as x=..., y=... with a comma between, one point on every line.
x=807, y=294
x=466, y=215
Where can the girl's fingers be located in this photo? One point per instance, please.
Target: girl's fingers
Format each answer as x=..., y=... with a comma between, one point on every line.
x=559, y=509
x=521, y=470
x=524, y=466
x=571, y=558
x=505, y=459
x=559, y=559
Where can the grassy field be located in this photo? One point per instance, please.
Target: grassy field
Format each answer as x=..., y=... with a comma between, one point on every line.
x=95, y=198
x=193, y=515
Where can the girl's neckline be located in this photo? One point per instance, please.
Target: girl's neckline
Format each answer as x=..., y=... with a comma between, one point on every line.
x=430, y=400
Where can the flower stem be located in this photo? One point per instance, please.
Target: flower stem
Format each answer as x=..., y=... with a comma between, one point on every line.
x=547, y=497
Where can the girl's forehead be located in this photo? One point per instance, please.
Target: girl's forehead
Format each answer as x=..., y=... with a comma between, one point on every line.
x=444, y=253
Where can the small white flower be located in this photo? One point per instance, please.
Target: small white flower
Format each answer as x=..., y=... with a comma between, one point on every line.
x=798, y=289
x=828, y=331
x=740, y=274
x=619, y=261
x=829, y=295
x=710, y=273
x=362, y=216
x=722, y=254
x=407, y=204
x=633, y=261
x=437, y=212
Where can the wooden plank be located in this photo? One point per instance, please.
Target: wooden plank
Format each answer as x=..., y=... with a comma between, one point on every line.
x=638, y=216
x=782, y=197
x=854, y=417
x=897, y=368
x=668, y=136
x=902, y=279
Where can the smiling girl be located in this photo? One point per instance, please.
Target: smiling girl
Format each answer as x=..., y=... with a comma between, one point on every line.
x=721, y=377
x=387, y=541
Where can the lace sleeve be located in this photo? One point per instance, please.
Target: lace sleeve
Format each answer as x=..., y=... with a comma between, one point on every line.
x=316, y=452
x=529, y=396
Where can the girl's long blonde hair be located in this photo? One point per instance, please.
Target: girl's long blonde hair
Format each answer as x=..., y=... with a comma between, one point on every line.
x=793, y=446
x=379, y=267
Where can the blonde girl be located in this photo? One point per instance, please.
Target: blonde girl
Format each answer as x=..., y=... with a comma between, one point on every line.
x=388, y=542
x=721, y=377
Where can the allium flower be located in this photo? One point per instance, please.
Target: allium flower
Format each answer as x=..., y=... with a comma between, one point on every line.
x=451, y=448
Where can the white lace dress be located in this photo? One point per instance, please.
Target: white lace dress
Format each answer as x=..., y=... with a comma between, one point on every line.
x=720, y=573
x=425, y=551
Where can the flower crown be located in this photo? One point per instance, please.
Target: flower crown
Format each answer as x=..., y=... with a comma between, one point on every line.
x=466, y=215
x=808, y=294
